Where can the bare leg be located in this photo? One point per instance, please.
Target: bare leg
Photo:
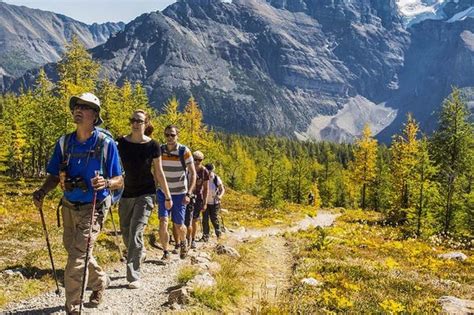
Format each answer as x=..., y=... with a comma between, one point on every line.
x=164, y=235
x=175, y=234
x=195, y=226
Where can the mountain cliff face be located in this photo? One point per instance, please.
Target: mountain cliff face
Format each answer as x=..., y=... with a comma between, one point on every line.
x=316, y=69
x=258, y=67
x=30, y=38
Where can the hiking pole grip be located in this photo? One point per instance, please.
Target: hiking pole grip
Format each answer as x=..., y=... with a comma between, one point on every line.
x=86, y=261
x=48, y=244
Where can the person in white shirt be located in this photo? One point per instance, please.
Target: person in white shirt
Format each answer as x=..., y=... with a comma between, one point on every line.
x=215, y=192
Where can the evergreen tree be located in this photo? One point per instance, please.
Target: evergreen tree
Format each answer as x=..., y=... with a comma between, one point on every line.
x=404, y=151
x=45, y=123
x=300, y=169
x=115, y=120
x=364, y=164
x=326, y=183
x=272, y=177
x=78, y=73
x=425, y=192
x=452, y=149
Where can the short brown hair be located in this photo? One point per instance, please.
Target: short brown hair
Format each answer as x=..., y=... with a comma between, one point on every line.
x=148, y=126
x=172, y=127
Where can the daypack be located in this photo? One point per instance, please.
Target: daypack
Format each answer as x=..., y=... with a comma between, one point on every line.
x=215, y=181
x=181, y=150
x=100, y=153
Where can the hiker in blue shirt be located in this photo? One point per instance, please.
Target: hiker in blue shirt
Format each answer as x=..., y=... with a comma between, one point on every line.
x=76, y=160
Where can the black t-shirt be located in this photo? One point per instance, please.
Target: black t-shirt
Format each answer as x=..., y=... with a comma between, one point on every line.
x=137, y=161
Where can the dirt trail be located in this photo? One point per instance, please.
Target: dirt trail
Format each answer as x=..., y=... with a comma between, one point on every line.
x=276, y=259
x=157, y=277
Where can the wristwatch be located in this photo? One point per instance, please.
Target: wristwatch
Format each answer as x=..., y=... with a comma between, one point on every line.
x=167, y=199
x=107, y=183
x=189, y=195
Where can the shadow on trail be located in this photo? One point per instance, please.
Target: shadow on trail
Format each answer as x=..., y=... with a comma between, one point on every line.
x=113, y=278
x=47, y=310
x=155, y=262
x=115, y=287
x=35, y=272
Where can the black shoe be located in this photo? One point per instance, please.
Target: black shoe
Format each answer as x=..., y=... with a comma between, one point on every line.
x=175, y=250
x=204, y=238
x=183, y=250
x=166, y=256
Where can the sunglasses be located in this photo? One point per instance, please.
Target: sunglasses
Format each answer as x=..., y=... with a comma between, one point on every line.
x=198, y=160
x=170, y=135
x=83, y=107
x=138, y=121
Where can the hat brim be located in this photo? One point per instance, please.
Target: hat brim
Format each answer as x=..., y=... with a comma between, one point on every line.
x=74, y=99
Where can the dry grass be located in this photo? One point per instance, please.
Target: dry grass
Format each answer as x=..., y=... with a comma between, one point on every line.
x=246, y=210
x=23, y=245
x=366, y=267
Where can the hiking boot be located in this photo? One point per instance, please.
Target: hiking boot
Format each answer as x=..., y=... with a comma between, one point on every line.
x=143, y=257
x=72, y=312
x=135, y=284
x=96, y=297
x=166, y=256
x=175, y=250
x=193, y=244
x=183, y=250
x=204, y=238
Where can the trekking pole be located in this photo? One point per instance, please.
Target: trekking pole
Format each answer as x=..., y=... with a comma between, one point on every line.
x=83, y=286
x=119, y=247
x=49, y=249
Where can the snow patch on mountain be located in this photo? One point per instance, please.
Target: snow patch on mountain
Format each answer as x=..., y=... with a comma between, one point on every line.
x=348, y=123
x=415, y=11
x=461, y=16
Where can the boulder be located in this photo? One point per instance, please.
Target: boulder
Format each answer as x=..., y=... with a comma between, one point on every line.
x=227, y=250
x=179, y=296
x=211, y=266
x=17, y=272
x=204, y=280
x=453, y=305
x=453, y=255
x=311, y=282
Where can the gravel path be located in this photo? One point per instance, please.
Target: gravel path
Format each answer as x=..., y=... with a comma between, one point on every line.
x=323, y=219
x=157, y=278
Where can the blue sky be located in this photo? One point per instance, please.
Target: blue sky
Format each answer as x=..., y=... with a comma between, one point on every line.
x=90, y=11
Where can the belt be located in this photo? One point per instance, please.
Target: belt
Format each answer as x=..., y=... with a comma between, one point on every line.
x=77, y=206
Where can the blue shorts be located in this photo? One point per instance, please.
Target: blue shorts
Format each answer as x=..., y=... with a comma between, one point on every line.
x=178, y=211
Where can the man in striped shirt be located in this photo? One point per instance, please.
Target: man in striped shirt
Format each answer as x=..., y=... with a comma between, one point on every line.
x=176, y=160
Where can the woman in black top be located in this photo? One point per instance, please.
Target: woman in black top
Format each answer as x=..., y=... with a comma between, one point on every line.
x=140, y=154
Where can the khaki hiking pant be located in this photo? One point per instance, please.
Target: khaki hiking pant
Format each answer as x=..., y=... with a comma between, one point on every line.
x=76, y=222
x=134, y=214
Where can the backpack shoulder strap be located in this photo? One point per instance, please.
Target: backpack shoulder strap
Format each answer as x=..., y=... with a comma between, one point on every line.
x=101, y=147
x=64, y=145
x=181, y=151
x=163, y=149
x=216, y=180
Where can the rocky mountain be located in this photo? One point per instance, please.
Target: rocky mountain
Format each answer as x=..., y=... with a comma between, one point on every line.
x=30, y=38
x=258, y=67
x=316, y=69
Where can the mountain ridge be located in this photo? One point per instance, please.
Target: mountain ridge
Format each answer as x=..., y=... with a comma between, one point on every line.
x=33, y=37
x=315, y=56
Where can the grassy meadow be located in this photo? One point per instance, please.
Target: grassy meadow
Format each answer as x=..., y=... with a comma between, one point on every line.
x=362, y=264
